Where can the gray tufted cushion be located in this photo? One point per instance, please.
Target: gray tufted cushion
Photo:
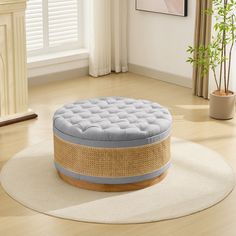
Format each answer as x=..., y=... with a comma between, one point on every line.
x=112, y=122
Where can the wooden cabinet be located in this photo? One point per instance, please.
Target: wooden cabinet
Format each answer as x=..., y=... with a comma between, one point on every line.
x=13, y=70
x=7, y=93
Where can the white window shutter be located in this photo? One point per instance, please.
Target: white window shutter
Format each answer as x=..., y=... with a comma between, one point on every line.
x=63, y=21
x=52, y=25
x=34, y=25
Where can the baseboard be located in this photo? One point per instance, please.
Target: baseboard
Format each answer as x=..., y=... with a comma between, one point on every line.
x=163, y=76
x=18, y=117
x=70, y=74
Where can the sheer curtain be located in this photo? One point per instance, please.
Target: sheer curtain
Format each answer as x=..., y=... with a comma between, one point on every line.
x=108, y=37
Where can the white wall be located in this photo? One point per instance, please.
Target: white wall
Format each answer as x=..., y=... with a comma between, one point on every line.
x=233, y=72
x=160, y=41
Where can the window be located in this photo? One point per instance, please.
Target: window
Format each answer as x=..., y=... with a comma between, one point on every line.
x=53, y=26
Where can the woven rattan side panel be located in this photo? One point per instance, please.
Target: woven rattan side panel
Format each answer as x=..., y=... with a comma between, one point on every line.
x=111, y=162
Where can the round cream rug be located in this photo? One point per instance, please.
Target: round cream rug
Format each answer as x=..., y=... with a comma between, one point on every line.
x=197, y=179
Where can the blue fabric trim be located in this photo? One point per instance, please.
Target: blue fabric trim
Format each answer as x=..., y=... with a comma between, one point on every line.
x=112, y=144
x=105, y=180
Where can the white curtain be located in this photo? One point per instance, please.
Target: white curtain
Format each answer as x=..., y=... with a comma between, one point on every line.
x=108, y=37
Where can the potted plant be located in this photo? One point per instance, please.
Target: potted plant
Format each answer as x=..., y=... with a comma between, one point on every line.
x=217, y=57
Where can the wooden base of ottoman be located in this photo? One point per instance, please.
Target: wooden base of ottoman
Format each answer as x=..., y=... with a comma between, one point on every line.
x=112, y=187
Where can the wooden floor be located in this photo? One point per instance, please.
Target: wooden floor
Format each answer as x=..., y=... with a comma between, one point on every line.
x=191, y=122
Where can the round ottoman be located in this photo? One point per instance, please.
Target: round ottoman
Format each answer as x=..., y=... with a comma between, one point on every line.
x=112, y=143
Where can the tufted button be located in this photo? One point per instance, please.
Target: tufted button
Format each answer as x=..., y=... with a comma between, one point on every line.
x=85, y=115
x=67, y=115
x=76, y=110
x=74, y=120
x=113, y=110
x=69, y=106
